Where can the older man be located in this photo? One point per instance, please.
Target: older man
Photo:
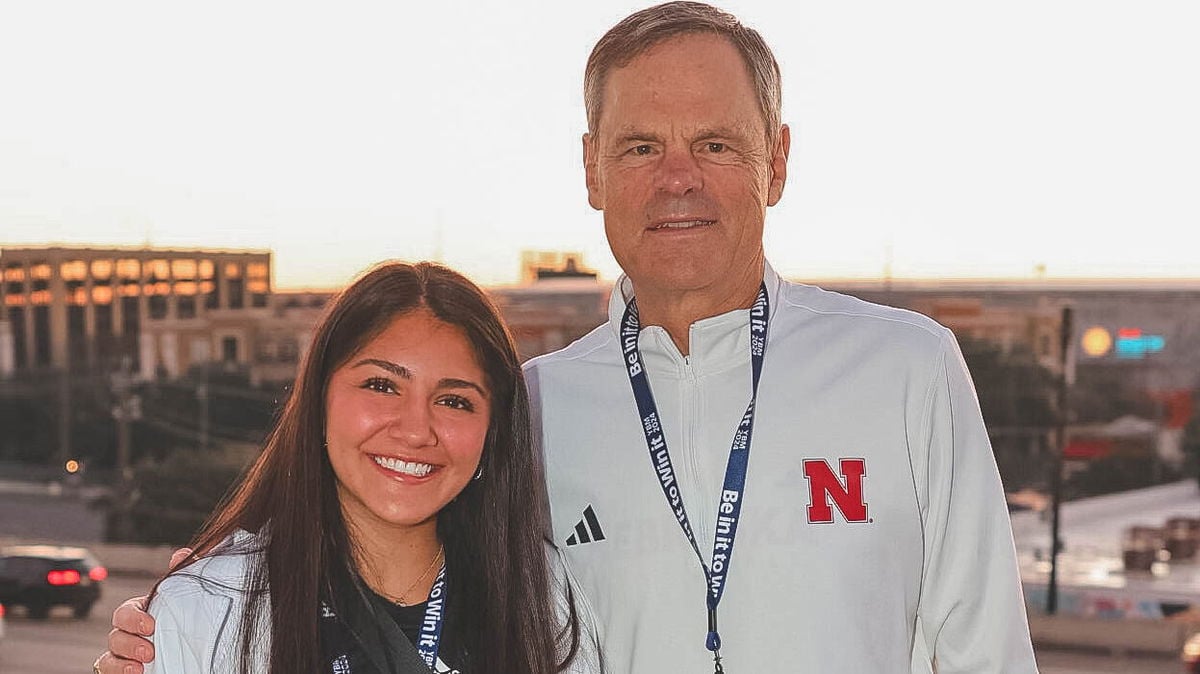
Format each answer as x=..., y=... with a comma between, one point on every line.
x=746, y=473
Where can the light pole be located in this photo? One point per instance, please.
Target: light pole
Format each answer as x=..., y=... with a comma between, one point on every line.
x=1060, y=441
x=128, y=408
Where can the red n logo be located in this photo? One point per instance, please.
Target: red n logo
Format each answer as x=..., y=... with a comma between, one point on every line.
x=846, y=491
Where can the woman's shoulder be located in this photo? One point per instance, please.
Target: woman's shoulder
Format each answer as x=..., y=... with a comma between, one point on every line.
x=196, y=609
x=223, y=571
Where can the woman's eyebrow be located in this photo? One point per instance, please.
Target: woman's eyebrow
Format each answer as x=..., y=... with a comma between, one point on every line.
x=405, y=373
x=398, y=370
x=451, y=382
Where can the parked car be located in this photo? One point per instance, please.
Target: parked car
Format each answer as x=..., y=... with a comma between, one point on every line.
x=40, y=577
x=1, y=622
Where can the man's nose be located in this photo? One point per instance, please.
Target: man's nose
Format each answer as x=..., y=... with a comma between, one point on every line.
x=412, y=423
x=679, y=172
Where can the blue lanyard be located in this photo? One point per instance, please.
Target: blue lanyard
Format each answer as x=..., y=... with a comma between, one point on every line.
x=730, y=507
x=431, y=626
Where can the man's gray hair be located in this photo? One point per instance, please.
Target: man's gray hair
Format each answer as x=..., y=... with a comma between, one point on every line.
x=642, y=30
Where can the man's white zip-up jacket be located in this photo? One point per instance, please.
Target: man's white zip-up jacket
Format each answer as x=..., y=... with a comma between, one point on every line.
x=874, y=535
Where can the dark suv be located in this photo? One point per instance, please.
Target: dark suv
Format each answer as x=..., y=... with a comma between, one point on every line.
x=39, y=577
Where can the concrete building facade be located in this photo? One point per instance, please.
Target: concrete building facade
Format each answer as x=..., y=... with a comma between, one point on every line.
x=165, y=310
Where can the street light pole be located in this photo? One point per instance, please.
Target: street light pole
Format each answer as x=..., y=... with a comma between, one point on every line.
x=1060, y=442
x=126, y=410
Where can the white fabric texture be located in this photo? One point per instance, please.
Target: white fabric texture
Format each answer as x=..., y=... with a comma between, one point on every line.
x=930, y=572
x=197, y=614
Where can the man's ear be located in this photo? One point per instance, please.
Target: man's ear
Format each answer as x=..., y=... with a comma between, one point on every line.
x=591, y=172
x=779, y=157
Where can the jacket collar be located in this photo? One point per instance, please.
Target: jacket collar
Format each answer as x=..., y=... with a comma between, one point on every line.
x=716, y=343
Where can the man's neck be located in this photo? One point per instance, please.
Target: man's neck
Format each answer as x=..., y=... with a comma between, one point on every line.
x=675, y=311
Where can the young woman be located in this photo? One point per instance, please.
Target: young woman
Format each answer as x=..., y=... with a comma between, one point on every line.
x=391, y=523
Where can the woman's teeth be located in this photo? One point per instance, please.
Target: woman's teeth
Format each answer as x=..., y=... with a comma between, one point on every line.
x=406, y=467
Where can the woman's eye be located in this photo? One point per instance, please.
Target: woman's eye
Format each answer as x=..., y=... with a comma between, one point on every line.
x=379, y=385
x=458, y=403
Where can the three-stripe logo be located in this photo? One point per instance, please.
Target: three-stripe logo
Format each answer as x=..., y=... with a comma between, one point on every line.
x=587, y=530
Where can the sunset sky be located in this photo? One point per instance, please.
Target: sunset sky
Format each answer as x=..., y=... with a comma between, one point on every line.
x=942, y=138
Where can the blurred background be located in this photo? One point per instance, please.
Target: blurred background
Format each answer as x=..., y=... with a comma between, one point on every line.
x=184, y=188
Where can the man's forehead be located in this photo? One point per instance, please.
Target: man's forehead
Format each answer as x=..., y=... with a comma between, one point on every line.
x=656, y=127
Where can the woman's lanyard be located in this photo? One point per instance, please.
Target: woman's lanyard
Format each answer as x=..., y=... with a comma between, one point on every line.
x=730, y=507
x=430, y=635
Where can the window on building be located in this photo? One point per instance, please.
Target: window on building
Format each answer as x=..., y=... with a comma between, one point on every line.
x=74, y=270
x=77, y=295
x=185, y=306
x=102, y=269
x=207, y=269
x=257, y=270
x=13, y=271
x=102, y=294
x=233, y=270
x=158, y=307
x=183, y=269
x=212, y=298
x=158, y=270
x=211, y=292
x=131, y=324
x=129, y=269
x=237, y=293
x=229, y=349
x=258, y=292
x=76, y=336
x=40, y=270
x=104, y=319
x=41, y=336
x=16, y=318
x=105, y=340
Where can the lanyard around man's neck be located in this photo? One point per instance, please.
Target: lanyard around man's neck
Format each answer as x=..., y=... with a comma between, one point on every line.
x=730, y=507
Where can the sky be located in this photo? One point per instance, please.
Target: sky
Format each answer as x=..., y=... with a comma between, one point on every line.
x=929, y=139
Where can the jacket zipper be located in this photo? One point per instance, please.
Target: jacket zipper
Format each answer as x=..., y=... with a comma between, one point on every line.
x=699, y=505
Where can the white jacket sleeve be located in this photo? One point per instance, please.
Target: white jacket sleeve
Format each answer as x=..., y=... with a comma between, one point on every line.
x=971, y=614
x=194, y=629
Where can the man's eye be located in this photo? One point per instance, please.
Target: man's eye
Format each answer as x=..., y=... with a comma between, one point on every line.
x=379, y=385
x=642, y=150
x=716, y=148
x=458, y=403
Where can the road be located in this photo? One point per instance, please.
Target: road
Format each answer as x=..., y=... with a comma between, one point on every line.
x=62, y=645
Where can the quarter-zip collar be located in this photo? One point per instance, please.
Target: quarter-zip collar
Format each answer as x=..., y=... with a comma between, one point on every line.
x=716, y=343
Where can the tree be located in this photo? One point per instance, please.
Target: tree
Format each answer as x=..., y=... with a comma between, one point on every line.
x=1015, y=394
x=174, y=496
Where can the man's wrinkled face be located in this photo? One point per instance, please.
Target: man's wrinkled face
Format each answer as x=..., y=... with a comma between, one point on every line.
x=681, y=166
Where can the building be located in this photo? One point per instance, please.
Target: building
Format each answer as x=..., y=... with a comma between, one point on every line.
x=559, y=300
x=161, y=310
x=1146, y=330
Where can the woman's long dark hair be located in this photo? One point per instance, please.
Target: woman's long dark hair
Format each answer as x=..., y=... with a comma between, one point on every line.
x=500, y=605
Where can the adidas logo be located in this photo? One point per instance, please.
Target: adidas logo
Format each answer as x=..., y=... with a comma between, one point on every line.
x=587, y=530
